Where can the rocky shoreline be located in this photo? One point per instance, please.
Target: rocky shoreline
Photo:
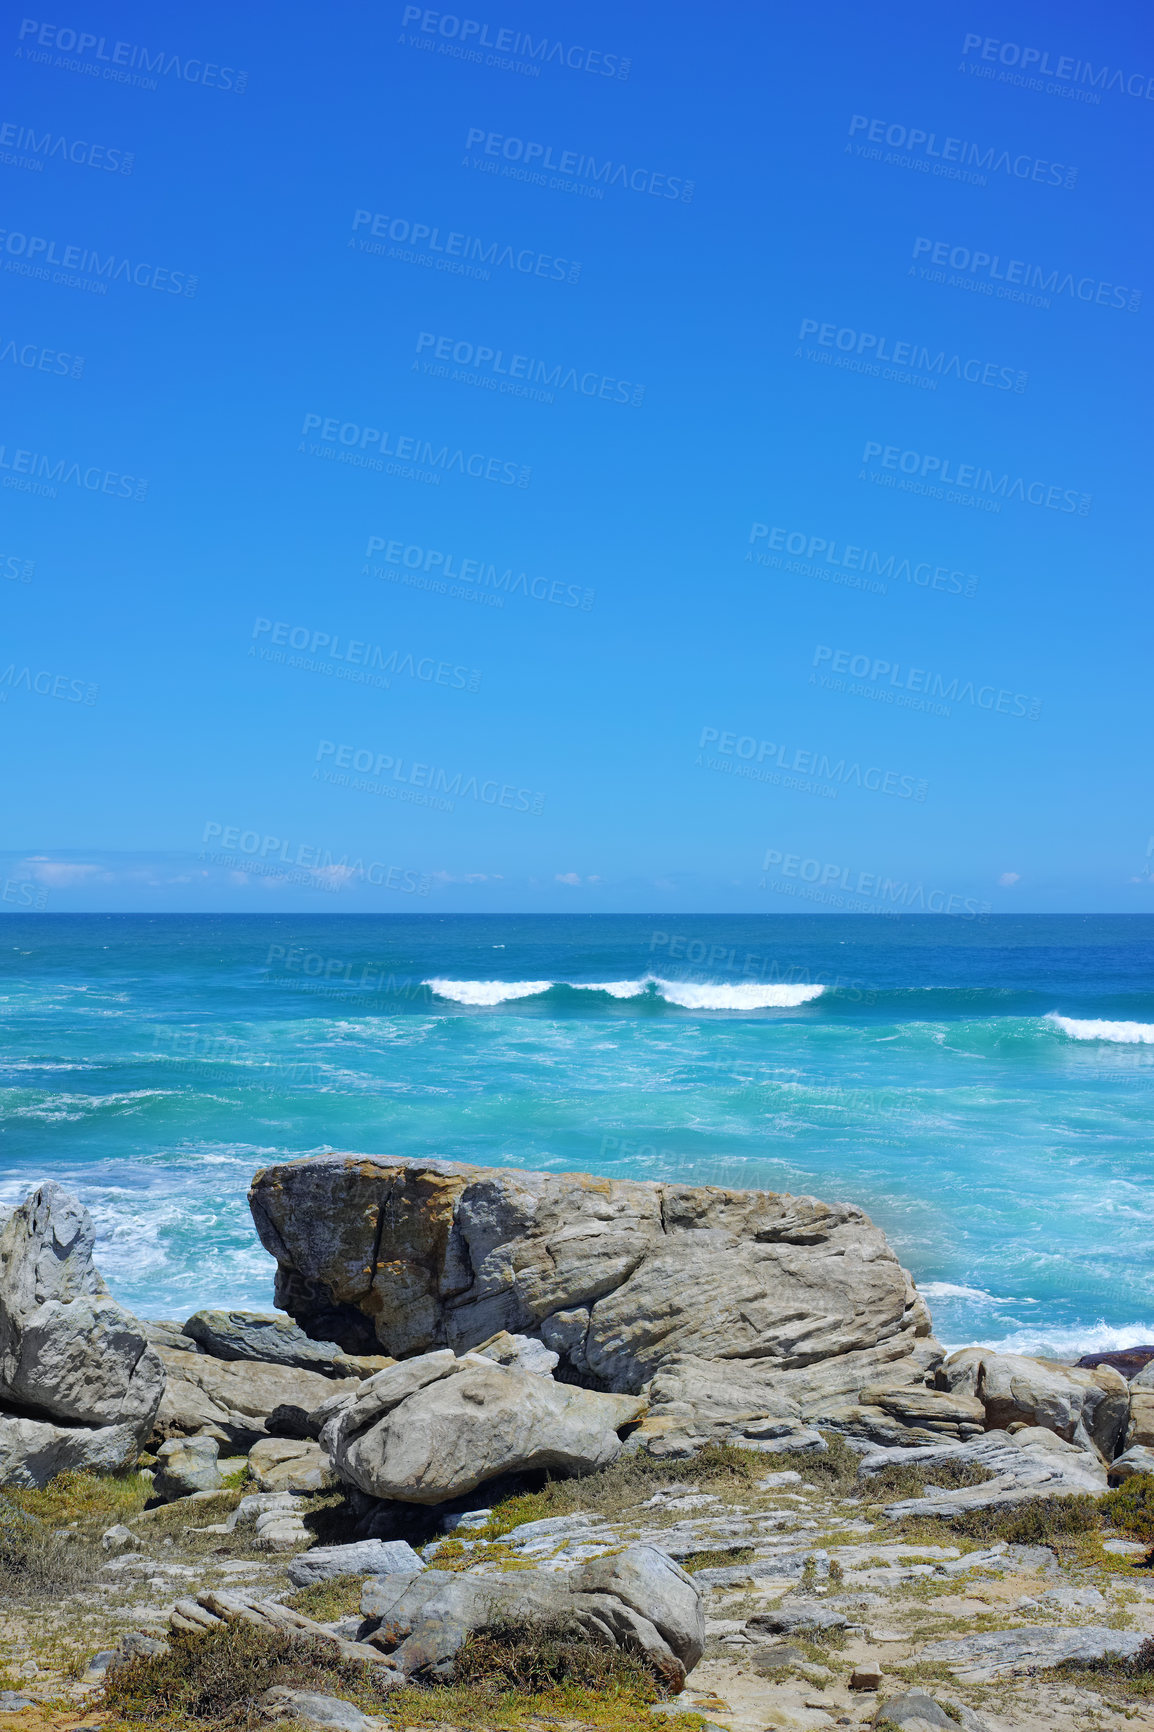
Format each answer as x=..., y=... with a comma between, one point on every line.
x=744, y=1464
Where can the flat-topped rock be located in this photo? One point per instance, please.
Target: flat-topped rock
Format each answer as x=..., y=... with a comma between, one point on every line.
x=613, y=1275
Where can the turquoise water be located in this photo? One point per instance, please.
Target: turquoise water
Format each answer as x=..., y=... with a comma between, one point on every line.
x=984, y=1089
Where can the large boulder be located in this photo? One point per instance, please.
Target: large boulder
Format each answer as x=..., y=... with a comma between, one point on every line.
x=638, y=1599
x=71, y=1358
x=255, y=1335
x=239, y=1401
x=1089, y=1408
x=614, y=1275
x=436, y=1427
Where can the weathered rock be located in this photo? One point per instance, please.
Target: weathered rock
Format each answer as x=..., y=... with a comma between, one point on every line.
x=520, y=1352
x=168, y=1334
x=255, y=1335
x=1128, y=1360
x=290, y=1464
x=613, y=1275
x=361, y=1558
x=1020, y=1472
x=114, y=1539
x=913, y=1712
x=1143, y=1379
x=69, y=1354
x=798, y=1615
x=187, y=1464
x=239, y=1401
x=981, y=1659
x=422, y=1621
x=1140, y=1429
x=213, y=1607
x=306, y=1708
x=435, y=1427
x=33, y=1451
x=1138, y=1459
x=1086, y=1407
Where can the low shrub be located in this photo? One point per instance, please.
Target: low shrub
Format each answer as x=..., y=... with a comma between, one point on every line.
x=42, y=1563
x=902, y=1480
x=1034, y=1523
x=1130, y=1506
x=325, y=1602
x=837, y=1464
x=1133, y=1676
x=629, y=1481
x=716, y=1560
x=548, y=1655
x=213, y=1678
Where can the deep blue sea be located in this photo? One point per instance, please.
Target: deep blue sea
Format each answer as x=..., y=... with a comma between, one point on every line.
x=983, y=1088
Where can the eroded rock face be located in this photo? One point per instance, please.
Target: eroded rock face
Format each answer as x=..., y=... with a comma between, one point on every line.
x=638, y=1599
x=614, y=1275
x=436, y=1427
x=1089, y=1408
x=239, y=1401
x=71, y=1357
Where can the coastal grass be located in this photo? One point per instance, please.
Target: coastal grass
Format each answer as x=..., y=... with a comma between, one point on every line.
x=719, y=1468
x=213, y=1678
x=1126, y=1680
x=84, y=1499
x=1130, y=1506
x=39, y=1563
x=898, y=1480
x=720, y=1558
x=325, y=1602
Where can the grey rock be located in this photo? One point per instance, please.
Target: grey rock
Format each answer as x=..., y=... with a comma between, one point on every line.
x=187, y=1464
x=521, y=1352
x=362, y=1557
x=784, y=1619
x=1073, y=1599
x=1137, y=1459
x=239, y=1401
x=1140, y=1429
x=615, y=1275
x=168, y=1334
x=916, y=1709
x=114, y=1539
x=421, y=1621
x=1012, y=1653
x=11, y=1702
x=272, y=1340
x=436, y=1427
x=69, y=1354
x=309, y=1709
x=290, y=1464
x=1086, y=1407
x=1020, y=1472
x=33, y=1451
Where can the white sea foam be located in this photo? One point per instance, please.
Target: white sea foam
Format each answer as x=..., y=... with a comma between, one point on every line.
x=1122, y=1033
x=487, y=991
x=1067, y=1342
x=747, y=995
x=976, y=1295
x=687, y=994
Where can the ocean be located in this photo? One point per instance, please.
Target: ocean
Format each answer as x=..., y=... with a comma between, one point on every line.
x=983, y=1087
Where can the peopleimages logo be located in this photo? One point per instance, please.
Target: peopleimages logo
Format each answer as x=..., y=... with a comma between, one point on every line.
x=33, y=472
x=15, y=136
x=1066, y=66
x=955, y=157
x=913, y=354
x=850, y=557
x=924, y=680
x=977, y=479
x=361, y=444
x=121, y=60
x=458, y=253
x=36, y=252
x=435, y=566
x=473, y=35
x=989, y=269
x=578, y=165
x=764, y=760
x=524, y=375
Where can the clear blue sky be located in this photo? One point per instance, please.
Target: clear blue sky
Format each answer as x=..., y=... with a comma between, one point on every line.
x=810, y=309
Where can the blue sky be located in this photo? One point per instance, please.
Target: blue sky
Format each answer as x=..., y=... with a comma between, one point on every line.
x=782, y=375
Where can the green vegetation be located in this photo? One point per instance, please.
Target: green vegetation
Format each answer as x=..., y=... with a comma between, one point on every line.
x=1131, y=1679
x=1130, y=1506
x=898, y=1481
x=719, y=1559
x=325, y=1602
x=836, y=1465
x=541, y=1656
x=1036, y=1522
x=213, y=1679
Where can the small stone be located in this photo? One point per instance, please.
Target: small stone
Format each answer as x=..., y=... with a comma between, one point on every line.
x=308, y=1709
x=866, y=1676
x=114, y=1539
x=11, y=1702
x=187, y=1464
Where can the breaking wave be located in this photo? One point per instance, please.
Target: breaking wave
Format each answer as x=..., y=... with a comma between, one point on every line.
x=686, y=994
x=1122, y=1033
